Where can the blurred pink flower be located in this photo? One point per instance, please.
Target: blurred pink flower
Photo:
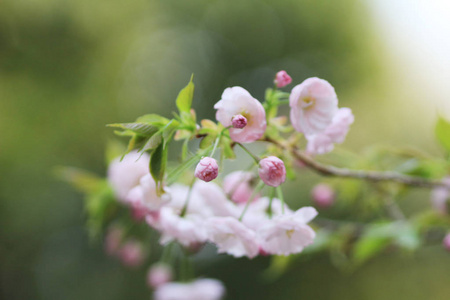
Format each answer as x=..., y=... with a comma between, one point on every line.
x=272, y=171
x=336, y=132
x=201, y=289
x=288, y=233
x=144, y=198
x=446, y=242
x=124, y=175
x=313, y=105
x=207, y=169
x=131, y=253
x=323, y=195
x=238, y=186
x=159, y=274
x=113, y=240
x=440, y=198
x=237, y=101
x=282, y=79
x=232, y=237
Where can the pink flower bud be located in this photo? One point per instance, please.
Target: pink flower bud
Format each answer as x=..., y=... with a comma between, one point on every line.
x=446, y=242
x=207, y=169
x=159, y=274
x=282, y=79
x=323, y=195
x=272, y=171
x=132, y=254
x=239, y=121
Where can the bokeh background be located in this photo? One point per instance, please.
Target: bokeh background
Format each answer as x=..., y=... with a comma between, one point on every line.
x=69, y=67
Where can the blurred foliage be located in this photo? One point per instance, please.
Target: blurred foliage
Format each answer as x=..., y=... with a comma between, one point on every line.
x=67, y=68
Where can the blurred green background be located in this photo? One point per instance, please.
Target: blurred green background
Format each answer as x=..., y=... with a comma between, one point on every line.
x=67, y=68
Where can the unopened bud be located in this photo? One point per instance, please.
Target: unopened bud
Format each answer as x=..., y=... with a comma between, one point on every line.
x=282, y=79
x=272, y=171
x=159, y=274
x=207, y=169
x=239, y=121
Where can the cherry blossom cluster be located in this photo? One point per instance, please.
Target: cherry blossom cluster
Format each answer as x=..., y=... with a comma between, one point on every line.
x=242, y=213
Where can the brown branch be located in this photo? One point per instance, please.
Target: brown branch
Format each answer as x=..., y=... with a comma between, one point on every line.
x=373, y=176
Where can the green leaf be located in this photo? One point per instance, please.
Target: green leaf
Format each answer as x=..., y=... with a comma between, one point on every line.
x=228, y=152
x=153, y=142
x=153, y=119
x=139, y=128
x=184, y=99
x=170, y=128
x=442, y=131
x=158, y=162
x=83, y=181
x=374, y=240
x=207, y=141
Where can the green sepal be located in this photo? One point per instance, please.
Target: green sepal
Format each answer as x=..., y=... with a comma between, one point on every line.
x=158, y=162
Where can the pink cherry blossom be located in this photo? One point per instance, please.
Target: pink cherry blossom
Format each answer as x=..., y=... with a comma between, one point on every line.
x=323, y=195
x=131, y=253
x=238, y=186
x=201, y=289
x=257, y=214
x=232, y=237
x=237, y=101
x=188, y=230
x=336, y=132
x=124, y=175
x=313, y=105
x=440, y=198
x=288, y=233
x=446, y=242
x=282, y=79
x=144, y=196
x=159, y=274
x=214, y=202
x=207, y=169
x=239, y=121
x=272, y=171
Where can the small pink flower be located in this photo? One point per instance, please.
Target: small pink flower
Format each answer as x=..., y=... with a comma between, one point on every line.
x=159, y=274
x=440, y=198
x=232, y=237
x=144, y=197
x=124, y=175
x=132, y=253
x=238, y=186
x=282, y=79
x=336, y=132
x=313, y=105
x=323, y=195
x=207, y=169
x=288, y=234
x=272, y=171
x=239, y=121
x=200, y=289
x=446, y=242
x=237, y=101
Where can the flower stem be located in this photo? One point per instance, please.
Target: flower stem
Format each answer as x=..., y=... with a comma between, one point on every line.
x=255, y=158
x=374, y=176
x=271, y=196
x=280, y=196
x=186, y=203
x=258, y=188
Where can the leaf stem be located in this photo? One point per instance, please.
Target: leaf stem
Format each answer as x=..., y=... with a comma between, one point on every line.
x=258, y=188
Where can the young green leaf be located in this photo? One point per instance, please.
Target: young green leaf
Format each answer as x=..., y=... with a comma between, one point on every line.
x=153, y=119
x=442, y=131
x=139, y=128
x=158, y=162
x=184, y=99
x=153, y=142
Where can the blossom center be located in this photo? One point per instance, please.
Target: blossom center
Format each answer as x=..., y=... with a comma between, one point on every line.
x=290, y=232
x=307, y=102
